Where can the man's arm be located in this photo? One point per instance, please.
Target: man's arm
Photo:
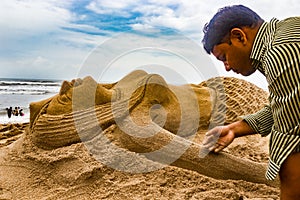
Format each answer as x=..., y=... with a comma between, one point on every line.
x=262, y=121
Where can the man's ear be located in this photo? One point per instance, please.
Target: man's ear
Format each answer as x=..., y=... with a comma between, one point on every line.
x=238, y=35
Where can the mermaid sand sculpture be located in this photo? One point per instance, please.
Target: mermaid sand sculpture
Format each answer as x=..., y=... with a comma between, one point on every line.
x=148, y=115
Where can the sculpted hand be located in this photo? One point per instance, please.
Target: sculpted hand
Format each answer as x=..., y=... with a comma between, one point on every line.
x=218, y=138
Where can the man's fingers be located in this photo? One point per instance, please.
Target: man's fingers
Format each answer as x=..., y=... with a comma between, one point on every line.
x=214, y=132
x=208, y=139
x=210, y=143
x=215, y=140
x=219, y=146
x=209, y=146
x=215, y=146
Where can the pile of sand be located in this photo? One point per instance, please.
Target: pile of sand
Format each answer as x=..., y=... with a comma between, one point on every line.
x=28, y=172
x=30, y=168
x=11, y=132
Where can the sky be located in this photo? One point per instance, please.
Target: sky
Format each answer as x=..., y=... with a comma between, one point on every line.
x=55, y=39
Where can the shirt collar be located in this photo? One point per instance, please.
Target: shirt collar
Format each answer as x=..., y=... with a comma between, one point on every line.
x=259, y=46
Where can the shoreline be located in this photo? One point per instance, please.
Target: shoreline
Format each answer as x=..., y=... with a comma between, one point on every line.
x=4, y=120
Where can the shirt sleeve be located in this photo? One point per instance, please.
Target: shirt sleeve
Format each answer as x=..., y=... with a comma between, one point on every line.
x=261, y=122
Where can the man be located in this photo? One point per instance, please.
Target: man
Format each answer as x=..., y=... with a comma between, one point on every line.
x=241, y=39
x=9, y=112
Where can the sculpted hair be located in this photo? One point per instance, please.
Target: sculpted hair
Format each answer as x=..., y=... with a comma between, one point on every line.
x=224, y=20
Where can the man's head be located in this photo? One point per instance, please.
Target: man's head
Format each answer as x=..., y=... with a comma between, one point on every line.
x=229, y=36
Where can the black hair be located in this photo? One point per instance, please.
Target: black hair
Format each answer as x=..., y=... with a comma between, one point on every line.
x=224, y=20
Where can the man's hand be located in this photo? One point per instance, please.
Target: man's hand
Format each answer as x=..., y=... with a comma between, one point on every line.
x=218, y=138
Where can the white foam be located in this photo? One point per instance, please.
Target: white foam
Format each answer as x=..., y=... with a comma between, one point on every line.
x=14, y=119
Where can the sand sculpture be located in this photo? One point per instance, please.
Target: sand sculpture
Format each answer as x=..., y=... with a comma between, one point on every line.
x=147, y=114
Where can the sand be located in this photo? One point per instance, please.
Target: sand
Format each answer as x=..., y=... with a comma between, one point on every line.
x=28, y=172
x=54, y=158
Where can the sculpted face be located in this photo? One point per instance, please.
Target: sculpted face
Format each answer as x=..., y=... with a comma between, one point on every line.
x=62, y=103
x=85, y=90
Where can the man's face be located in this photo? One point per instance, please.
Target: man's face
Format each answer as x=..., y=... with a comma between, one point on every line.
x=235, y=56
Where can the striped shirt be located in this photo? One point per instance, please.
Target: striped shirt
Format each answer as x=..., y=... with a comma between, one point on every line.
x=276, y=54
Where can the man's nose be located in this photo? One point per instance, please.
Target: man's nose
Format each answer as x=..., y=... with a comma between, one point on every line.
x=227, y=67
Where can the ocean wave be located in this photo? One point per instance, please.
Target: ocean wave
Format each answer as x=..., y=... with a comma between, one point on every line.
x=15, y=83
x=28, y=87
x=28, y=90
x=25, y=92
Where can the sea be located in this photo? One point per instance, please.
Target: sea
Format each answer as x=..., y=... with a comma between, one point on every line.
x=20, y=93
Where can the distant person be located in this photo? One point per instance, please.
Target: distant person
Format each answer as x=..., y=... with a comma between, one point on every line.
x=9, y=112
x=21, y=112
x=16, y=111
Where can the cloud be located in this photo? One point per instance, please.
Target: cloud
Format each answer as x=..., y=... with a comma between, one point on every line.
x=31, y=17
x=26, y=24
x=34, y=42
x=58, y=36
x=164, y=54
x=109, y=7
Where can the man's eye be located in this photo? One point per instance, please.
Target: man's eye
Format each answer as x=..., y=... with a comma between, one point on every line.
x=222, y=58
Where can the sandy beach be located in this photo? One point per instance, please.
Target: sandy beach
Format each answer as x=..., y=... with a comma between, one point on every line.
x=27, y=172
